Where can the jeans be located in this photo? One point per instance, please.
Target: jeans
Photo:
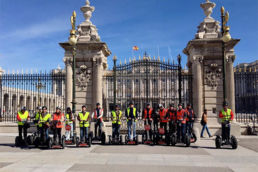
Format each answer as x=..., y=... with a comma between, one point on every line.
x=115, y=130
x=207, y=129
x=69, y=134
x=44, y=132
x=83, y=133
x=129, y=125
x=225, y=131
x=20, y=128
x=181, y=131
x=98, y=124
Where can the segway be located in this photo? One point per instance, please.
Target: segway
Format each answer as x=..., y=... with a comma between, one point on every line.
x=61, y=143
x=85, y=142
x=190, y=132
x=161, y=137
x=117, y=140
x=41, y=140
x=72, y=139
x=97, y=139
x=232, y=141
x=186, y=141
x=146, y=137
x=128, y=141
x=20, y=142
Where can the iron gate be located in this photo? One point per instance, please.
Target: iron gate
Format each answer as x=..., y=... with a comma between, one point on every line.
x=30, y=90
x=147, y=81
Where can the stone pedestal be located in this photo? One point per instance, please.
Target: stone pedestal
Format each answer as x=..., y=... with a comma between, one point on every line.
x=91, y=61
x=205, y=58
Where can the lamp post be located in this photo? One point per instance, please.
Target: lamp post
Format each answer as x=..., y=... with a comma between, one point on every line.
x=225, y=38
x=73, y=42
x=114, y=80
x=179, y=78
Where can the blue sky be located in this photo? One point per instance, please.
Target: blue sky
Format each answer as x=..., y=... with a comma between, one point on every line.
x=31, y=29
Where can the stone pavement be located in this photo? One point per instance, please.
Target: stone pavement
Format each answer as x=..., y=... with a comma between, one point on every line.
x=201, y=156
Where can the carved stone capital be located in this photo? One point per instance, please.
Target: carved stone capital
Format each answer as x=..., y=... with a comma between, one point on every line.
x=68, y=61
x=230, y=58
x=197, y=59
x=83, y=77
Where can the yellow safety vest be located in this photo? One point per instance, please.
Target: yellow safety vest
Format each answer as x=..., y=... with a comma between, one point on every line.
x=83, y=118
x=115, y=117
x=44, y=119
x=226, y=115
x=23, y=117
x=134, y=113
x=68, y=121
x=37, y=117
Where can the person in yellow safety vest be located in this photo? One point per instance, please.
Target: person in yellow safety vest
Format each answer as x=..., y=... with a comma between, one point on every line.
x=69, y=122
x=97, y=116
x=116, y=121
x=36, y=117
x=83, y=118
x=131, y=115
x=44, y=119
x=226, y=115
x=22, y=118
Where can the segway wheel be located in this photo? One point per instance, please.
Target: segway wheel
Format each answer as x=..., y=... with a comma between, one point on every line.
x=89, y=141
x=77, y=142
x=187, y=141
x=167, y=139
x=30, y=140
x=120, y=140
x=103, y=138
x=49, y=143
x=234, y=142
x=218, y=142
x=173, y=140
x=126, y=139
x=136, y=140
x=109, y=140
x=63, y=142
x=193, y=138
x=17, y=141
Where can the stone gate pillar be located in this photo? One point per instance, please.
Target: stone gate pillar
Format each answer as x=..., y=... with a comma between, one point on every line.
x=205, y=57
x=91, y=61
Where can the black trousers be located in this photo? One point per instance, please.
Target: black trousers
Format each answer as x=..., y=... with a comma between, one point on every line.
x=20, y=128
x=155, y=125
x=115, y=130
x=225, y=131
x=57, y=131
x=172, y=127
x=164, y=125
x=98, y=128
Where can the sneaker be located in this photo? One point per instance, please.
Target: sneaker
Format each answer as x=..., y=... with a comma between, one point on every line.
x=210, y=136
x=202, y=137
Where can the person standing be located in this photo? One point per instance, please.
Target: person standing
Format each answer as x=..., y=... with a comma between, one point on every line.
x=181, y=122
x=190, y=118
x=58, y=119
x=44, y=119
x=155, y=117
x=83, y=118
x=36, y=118
x=97, y=116
x=163, y=117
x=22, y=118
x=116, y=122
x=147, y=117
x=171, y=115
x=69, y=122
x=131, y=115
x=226, y=115
x=204, y=123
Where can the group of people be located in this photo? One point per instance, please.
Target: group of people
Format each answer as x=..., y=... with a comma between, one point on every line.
x=172, y=120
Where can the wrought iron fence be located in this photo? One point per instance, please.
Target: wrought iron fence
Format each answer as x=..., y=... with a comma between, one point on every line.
x=30, y=90
x=147, y=81
x=246, y=96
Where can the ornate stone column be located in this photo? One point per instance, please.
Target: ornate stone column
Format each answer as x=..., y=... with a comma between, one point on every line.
x=230, y=84
x=69, y=81
x=97, y=81
x=197, y=85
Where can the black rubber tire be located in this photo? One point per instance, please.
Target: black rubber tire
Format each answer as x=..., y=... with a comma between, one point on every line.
x=234, y=142
x=193, y=138
x=187, y=140
x=136, y=140
x=63, y=142
x=30, y=140
x=103, y=138
x=49, y=143
x=17, y=141
x=126, y=139
x=77, y=141
x=143, y=138
x=173, y=140
x=121, y=140
x=218, y=142
x=167, y=139
x=89, y=141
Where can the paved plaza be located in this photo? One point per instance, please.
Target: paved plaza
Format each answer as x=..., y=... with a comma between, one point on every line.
x=201, y=156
